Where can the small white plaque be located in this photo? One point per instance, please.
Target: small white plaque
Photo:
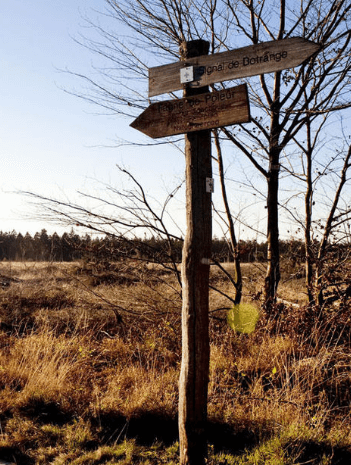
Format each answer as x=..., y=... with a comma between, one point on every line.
x=187, y=74
x=210, y=185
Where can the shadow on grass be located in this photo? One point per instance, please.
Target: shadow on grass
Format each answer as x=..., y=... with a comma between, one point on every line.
x=313, y=452
x=46, y=412
x=14, y=455
x=149, y=427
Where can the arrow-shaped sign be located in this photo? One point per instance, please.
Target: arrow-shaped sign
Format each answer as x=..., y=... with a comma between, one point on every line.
x=204, y=111
x=266, y=57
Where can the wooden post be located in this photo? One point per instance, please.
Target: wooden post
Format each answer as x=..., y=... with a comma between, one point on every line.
x=193, y=382
x=247, y=61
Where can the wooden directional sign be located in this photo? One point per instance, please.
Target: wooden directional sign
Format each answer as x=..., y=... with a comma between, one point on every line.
x=205, y=111
x=266, y=57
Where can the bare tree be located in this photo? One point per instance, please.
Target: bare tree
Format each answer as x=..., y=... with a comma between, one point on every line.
x=124, y=213
x=282, y=103
x=325, y=212
x=286, y=101
x=335, y=219
x=234, y=248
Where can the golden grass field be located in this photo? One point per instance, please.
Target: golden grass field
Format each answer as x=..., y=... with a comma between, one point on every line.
x=90, y=359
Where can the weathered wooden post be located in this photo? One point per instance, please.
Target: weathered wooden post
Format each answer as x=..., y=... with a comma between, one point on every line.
x=193, y=381
x=195, y=115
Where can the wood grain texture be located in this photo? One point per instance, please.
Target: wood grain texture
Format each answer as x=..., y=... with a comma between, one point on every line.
x=194, y=373
x=204, y=111
x=266, y=57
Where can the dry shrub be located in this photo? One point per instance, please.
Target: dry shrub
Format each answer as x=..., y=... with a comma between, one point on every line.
x=43, y=365
x=281, y=376
x=131, y=390
x=75, y=377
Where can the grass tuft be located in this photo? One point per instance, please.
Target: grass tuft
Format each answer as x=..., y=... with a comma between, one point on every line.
x=80, y=386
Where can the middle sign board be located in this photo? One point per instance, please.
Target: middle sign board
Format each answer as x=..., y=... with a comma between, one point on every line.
x=204, y=111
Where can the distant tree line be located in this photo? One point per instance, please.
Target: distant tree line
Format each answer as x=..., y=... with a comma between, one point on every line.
x=41, y=246
x=71, y=246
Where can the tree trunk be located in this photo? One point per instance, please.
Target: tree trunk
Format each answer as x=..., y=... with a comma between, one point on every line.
x=233, y=242
x=193, y=382
x=273, y=270
x=308, y=217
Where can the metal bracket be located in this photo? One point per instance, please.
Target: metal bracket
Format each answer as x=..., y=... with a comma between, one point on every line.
x=186, y=74
x=210, y=185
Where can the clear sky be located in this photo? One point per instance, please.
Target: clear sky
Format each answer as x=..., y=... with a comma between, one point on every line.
x=53, y=143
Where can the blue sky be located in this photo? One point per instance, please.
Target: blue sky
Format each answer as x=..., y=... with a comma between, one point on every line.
x=53, y=143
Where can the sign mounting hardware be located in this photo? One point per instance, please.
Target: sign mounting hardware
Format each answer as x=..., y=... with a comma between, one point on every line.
x=265, y=57
x=186, y=74
x=210, y=185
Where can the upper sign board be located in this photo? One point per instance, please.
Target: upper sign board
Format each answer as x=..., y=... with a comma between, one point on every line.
x=266, y=57
x=204, y=111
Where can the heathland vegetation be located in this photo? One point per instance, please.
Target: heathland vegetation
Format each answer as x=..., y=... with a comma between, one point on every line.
x=90, y=328
x=90, y=356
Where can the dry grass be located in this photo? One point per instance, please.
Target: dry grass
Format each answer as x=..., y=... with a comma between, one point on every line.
x=89, y=367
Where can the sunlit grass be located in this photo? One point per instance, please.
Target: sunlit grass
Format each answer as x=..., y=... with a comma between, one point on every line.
x=78, y=386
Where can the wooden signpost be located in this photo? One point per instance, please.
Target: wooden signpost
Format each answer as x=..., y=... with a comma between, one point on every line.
x=203, y=111
x=195, y=115
x=266, y=57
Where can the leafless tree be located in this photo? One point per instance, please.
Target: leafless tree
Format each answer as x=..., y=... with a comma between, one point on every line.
x=125, y=213
x=324, y=179
x=234, y=248
x=335, y=218
x=282, y=103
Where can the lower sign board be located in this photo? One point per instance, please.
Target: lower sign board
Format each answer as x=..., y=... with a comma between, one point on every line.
x=204, y=111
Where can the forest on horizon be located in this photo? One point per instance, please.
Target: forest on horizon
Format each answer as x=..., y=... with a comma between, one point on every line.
x=71, y=246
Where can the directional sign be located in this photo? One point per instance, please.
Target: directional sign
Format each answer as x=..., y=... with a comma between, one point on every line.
x=205, y=111
x=266, y=57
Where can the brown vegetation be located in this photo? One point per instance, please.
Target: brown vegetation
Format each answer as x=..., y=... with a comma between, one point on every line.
x=89, y=368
